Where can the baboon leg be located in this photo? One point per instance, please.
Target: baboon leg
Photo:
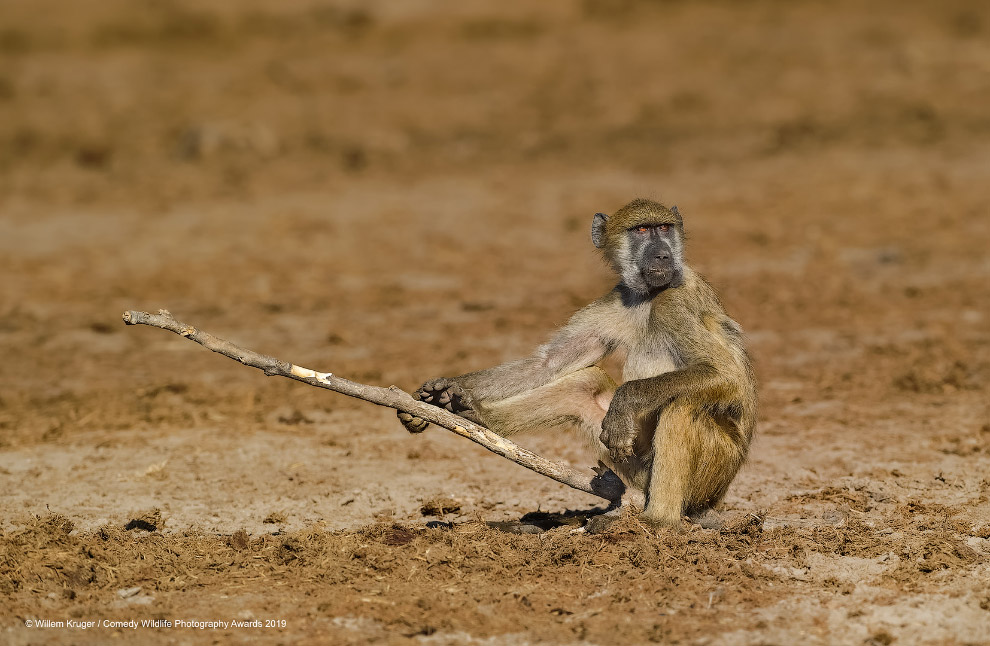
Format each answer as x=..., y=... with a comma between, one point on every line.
x=694, y=460
x=577, y=400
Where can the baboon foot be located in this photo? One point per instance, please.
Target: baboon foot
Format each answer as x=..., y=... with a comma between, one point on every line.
x=447, y=393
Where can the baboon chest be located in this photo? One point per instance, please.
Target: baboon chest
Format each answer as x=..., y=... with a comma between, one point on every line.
x=649, y=350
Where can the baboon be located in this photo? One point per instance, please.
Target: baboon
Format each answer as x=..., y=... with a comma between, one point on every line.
x=680, y=425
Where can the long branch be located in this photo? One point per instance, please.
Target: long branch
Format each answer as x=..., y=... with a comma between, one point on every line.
x=606, y=486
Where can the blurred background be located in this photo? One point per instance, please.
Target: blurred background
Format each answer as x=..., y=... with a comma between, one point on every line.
x=395, y=191
x=400, y=190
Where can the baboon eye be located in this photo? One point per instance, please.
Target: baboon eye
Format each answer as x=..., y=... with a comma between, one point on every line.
x=664, y=227
x=642, y=229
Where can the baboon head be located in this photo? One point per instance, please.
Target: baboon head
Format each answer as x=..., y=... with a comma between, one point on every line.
x=643, y=241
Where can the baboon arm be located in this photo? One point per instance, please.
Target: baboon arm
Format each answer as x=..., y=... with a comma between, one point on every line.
x=642, y=398
x=649, y=395
x=577, y=345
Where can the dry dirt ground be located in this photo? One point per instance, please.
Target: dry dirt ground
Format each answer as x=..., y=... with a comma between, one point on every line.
x=400, y=190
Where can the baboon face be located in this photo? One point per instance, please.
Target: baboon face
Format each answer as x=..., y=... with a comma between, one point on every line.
x=651, y=248
x=643, y=242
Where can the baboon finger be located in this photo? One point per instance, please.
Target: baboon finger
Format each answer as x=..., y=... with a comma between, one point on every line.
x=412, y=423
x=621, y=452
x=418, y=425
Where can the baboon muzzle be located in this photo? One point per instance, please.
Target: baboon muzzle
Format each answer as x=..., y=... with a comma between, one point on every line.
x=657, y=264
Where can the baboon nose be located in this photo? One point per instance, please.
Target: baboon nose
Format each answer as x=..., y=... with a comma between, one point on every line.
x=663, y=256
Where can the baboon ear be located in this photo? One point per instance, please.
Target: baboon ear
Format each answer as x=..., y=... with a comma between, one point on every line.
x=674, y=210
x=598, y=229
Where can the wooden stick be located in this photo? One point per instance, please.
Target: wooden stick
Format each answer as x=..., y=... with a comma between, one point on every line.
x=605, y=484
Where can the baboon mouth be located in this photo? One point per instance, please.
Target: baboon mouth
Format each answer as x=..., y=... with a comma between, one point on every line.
x=654, y=274
x=658, y=277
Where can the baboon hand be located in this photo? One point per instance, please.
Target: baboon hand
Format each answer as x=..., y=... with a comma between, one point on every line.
x=443, y=393
x=618, y=432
